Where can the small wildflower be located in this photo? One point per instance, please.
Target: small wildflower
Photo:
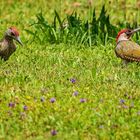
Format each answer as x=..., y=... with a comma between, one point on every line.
x=42, y=99
x=75, y=93
x=53, y=132
x=122, y=101
x=101, y=126
x=25, y=107
x=52, y=100
x=125, y=106
x=82, y=100
x=11, y=104
x=73, y=80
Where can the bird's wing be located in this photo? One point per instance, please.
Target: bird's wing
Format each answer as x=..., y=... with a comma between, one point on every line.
x=1, y=46
x=128, y=50
x=4, y=51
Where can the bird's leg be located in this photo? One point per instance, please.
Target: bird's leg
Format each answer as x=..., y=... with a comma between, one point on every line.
x=125, y=62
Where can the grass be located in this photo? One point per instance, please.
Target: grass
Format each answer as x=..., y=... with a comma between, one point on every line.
x=37, y=72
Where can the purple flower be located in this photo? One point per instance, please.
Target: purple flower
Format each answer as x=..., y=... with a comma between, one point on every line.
x=53, y=132
x=42, y=99
x=82, y=100
x=75, y=93
x=101, y=126
x=122, y=101
x=25, y=107
x=52, y=100
x=11, y=104
x=73, y=80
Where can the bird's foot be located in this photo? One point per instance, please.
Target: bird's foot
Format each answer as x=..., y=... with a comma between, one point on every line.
x=125, y=63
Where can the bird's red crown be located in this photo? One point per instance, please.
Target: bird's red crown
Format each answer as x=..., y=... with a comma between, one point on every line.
x=15, y=31
x=121, y=32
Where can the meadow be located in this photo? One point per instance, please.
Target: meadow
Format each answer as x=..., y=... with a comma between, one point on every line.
x=66, y=83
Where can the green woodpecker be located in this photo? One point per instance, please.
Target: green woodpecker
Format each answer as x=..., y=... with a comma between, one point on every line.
x=7, y=46
x=126, y=49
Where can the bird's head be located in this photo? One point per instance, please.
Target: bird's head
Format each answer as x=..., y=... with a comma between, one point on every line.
x=125, y=34
x=13, y=33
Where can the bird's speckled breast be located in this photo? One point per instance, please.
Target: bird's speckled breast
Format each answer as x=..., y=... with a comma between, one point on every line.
x=128, y=50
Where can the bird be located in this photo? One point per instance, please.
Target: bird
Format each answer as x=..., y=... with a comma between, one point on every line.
x=126, y=49
x=7, y=45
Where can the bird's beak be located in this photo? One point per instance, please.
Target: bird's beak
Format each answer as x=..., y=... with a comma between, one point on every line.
x=135, y=30
x=19, y=41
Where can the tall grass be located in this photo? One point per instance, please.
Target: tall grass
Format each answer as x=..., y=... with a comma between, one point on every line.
x=73, y=30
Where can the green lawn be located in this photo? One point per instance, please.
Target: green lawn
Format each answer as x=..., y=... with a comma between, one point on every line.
x=81, y=92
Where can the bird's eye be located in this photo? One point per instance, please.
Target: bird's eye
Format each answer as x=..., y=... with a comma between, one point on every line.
x=128, y=32
x=12, y=34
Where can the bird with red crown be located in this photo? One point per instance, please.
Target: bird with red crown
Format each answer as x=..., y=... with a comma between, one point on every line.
x=126, y=49
x=7, y=46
